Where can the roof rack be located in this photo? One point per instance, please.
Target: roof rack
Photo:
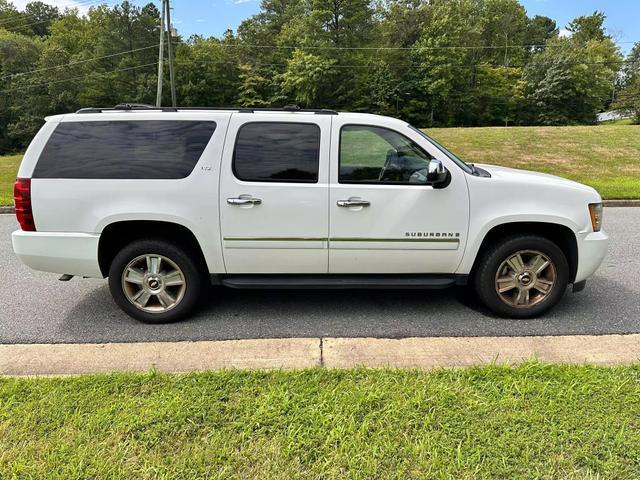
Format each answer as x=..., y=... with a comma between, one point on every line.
x=142, y=106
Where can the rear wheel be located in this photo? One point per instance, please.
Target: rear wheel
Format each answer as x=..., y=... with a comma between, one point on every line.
x=522, y=277
x=155, y=281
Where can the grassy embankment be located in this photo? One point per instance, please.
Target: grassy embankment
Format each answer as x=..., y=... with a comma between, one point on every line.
x=606, y=157
x=533, y=421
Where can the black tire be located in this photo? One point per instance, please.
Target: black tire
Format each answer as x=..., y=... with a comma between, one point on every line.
x=192, y=275
x=484, y=280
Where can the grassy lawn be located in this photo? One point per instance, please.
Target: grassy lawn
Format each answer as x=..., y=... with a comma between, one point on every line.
x=533, y=421
x=606, y=157
x=8, y=171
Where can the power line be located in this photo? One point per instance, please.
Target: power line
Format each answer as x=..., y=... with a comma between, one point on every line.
x=78, y=62
x=442, y=47
x=91, y=75
x=417, y=63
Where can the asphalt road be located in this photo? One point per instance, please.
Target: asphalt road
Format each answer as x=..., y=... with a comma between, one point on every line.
x=36, y=308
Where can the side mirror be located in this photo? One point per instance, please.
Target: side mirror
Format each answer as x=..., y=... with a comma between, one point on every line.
x=437, y=175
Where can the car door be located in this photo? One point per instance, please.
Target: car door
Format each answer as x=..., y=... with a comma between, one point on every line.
x=274, y=193
x=383, y=217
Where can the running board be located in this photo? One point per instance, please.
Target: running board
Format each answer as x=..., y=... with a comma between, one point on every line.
x=328, y=281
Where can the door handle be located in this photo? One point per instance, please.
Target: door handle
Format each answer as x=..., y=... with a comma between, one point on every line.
x=244, y=200
x=353, y=202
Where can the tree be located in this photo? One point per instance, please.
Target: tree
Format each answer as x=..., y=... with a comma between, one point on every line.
x=540, y=29
x=587, y=28
x=629, y=96
x=432, y=63
x=570, y=82
x=40, y=17
x=251, y=92
x=304, y=77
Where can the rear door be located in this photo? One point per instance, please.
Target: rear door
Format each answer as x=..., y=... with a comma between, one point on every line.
x=274, y=193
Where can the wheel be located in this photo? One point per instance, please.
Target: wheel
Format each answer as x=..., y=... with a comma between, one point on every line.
x=522, y=276
x=155, y=281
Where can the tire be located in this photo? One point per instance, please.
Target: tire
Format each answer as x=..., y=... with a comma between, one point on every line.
x=499, y=269
x=136, y=272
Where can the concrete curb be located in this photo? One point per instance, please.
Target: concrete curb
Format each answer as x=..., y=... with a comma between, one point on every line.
x=471, y=351
x=607, y=203
x=71, y=359
x=621, y=203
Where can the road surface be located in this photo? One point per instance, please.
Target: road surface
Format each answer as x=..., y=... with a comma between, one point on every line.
x=36, y=308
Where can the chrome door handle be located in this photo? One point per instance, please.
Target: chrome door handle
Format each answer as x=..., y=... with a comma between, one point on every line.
x=353, y=202
x=244, y=200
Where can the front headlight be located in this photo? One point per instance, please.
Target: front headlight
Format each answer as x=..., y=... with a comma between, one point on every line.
x=595, y=211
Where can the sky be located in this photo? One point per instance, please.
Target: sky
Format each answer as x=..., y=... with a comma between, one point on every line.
x=213, y=17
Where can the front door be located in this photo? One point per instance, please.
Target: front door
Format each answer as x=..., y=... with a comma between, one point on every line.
x=383, y=218
x=274, y=193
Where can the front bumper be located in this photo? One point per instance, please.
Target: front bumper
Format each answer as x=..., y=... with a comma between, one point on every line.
x=592, y=248
x=58, y=252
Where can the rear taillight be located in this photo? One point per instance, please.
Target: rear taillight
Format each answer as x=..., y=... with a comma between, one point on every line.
x=22, y=200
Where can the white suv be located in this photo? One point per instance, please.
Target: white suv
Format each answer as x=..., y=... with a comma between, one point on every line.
x=163, y=201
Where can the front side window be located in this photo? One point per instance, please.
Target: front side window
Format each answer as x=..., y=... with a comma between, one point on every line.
x=371, y=154
x=124, y=149
x=277, y=152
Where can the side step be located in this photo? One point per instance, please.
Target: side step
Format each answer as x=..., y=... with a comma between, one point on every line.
x=328, y=281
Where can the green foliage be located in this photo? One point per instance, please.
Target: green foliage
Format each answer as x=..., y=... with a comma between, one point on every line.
x=436, y=63
x=572, y=79
x=304, y=76
x=629, y=96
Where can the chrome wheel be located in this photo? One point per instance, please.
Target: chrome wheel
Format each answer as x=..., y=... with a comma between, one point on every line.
x=525, y=278
x=153, y=283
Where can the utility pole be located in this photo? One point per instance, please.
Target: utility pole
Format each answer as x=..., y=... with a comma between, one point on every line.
x=506, y=74
x=160, y=59
x=171, y=74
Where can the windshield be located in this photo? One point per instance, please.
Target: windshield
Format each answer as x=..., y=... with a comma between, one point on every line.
x=455, y=159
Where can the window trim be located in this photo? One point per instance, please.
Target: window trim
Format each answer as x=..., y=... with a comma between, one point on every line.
x=370, y=182
x=100, y=120
x=278, y=122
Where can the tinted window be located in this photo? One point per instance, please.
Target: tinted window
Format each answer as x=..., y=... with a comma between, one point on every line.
x=124, y=149
x=277, y=152
x=378, y=155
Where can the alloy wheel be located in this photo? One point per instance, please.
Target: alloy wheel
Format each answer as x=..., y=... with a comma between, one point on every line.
x=525, y=278
x=153, y=283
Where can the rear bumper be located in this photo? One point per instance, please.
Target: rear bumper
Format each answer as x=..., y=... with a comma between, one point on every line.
x=592, y=248
x=58, y=252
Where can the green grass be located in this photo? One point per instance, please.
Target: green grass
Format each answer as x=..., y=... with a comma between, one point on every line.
x=533, y=421
x=622, y=121
x=605, y=157
x=8, y=171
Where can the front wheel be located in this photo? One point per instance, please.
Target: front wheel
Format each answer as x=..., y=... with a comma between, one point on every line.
x=522, y=277
x=155, y=281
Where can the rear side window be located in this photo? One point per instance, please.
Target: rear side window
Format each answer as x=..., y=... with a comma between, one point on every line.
x=149, y=149
x=277, y=152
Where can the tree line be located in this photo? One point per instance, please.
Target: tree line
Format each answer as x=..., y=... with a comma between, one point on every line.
x=433, y=63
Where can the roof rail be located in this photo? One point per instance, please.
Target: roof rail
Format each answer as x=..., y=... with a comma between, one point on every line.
x=142, y=106
x=127, y=107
